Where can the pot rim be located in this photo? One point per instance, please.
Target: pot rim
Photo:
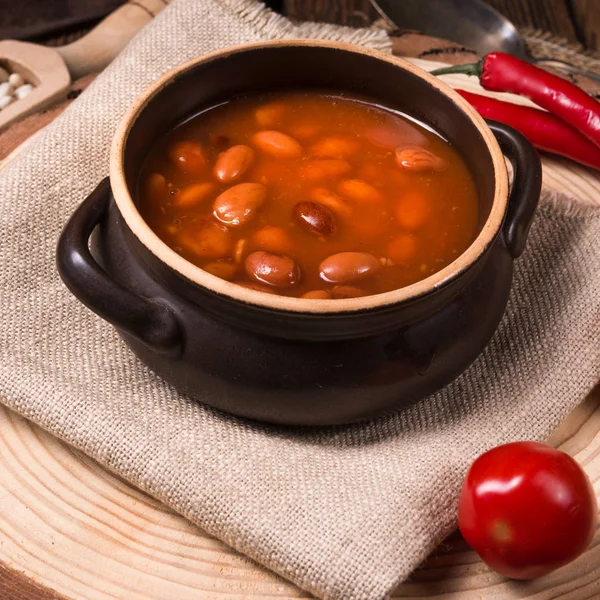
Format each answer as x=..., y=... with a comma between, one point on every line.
x=198, y=276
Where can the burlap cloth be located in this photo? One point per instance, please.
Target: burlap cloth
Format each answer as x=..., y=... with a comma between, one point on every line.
x=344, y=512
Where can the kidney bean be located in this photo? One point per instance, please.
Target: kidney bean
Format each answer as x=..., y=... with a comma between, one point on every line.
x=335, y=146
x=402, y=249
x=239, y=204
x=340, y=292
x=279, y=271
x=331, y=200
x=207, y=240
x=317, y=295
x=412, y=211
x=360, y=191
x=346, y=267
x=305, y=131
x=273, y=239
x=269, y=115
x=373, y=173
x=277, y=144
x=257, y=287
x=419, y=160
x=193, y=194
x=233, y=163
x=224, y=270
x=156, y=186
x=238, y=252
x=315, y=217
x=325, y=169
x=393, y=133
x=188, y=156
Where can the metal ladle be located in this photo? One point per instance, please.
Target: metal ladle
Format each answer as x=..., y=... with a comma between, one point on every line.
x=472, y=23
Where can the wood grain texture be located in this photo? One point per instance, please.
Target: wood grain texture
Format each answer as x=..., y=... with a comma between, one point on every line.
x=17, y=586
x=97, y=49
x=70, y=530
x=548, y=15
x=587, y=20
x=345, y=12
x=80, y=532
x=51, y=70
x=85, y=534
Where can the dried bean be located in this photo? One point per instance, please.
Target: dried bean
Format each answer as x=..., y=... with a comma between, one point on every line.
x=194, y=194
x=233, y=163
x=346, y=267
x=335, y=146
x=269, y=115
x=277, y=144
x=317, y=295
x=331, y=200
x=208, y=240
x=340, y=292
x=325, y=169
x=272, y=269
x=418, y=160
x=239, y=204
x=403, y=249
x=224, y=270
x=412, y=211
x=360, y=191
x=315, y=217
x=188, y=156
x=156, y=187
x=273, y=239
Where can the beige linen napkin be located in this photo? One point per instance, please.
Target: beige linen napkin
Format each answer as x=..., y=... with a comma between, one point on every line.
x=344, y=512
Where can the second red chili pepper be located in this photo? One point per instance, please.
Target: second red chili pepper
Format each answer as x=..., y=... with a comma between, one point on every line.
x=500, y=72
x=545, y=131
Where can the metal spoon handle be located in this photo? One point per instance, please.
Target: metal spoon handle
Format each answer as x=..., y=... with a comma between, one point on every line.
x=566, y=67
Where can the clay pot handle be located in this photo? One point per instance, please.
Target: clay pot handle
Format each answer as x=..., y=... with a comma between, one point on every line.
x=152, y=323
x=526, y=187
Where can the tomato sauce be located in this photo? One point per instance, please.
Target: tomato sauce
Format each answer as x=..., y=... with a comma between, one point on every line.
x=311, y=195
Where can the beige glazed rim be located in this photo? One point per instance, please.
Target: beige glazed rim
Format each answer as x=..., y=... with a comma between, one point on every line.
x=189, y=271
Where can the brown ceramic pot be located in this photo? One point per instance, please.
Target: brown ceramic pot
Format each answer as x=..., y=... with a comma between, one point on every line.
x=292, y=360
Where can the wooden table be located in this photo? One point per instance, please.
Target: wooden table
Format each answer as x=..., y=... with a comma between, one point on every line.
x=574, y=20
x=70, y=530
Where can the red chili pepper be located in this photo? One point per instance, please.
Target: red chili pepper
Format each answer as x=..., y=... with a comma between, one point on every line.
x=545, y=131
x=499, y=72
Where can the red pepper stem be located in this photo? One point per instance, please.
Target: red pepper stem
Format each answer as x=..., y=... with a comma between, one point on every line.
x=472, y=69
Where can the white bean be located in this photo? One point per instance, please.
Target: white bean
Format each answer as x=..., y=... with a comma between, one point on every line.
x=23, y=91
x=5, y=101
x=16, y=80
x=6, y=89
x=3, y=75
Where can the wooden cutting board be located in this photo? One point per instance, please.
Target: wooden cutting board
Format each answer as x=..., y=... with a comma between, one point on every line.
x=71, y=530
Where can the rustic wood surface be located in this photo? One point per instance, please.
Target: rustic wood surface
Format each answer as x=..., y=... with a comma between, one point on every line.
x=587, y=21
x=83, y=533
x=53, y=68
x=574, y=20
x=70, y=530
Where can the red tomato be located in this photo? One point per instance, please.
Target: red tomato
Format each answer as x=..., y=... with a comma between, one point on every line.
x=527, y=509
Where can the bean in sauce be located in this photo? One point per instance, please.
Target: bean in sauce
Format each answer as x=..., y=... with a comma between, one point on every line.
x=309, y=194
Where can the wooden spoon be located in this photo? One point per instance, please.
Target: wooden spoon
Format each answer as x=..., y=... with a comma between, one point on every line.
x=51, y=70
